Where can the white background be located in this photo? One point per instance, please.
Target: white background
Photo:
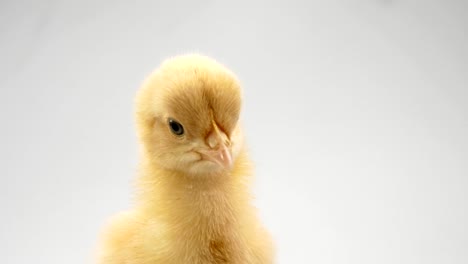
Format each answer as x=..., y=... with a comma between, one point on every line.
x=356, y=116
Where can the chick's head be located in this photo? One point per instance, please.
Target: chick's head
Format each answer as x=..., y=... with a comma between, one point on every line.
x=187, y=116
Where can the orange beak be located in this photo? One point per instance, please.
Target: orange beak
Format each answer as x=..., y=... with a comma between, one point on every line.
x=220, y=151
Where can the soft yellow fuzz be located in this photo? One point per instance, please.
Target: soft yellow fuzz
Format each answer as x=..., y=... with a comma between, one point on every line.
x=188, y=210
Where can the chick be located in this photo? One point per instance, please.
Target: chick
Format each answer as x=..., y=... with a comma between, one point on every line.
x=193, y=200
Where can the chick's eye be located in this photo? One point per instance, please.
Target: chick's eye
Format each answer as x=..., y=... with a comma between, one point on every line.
x=176, y=127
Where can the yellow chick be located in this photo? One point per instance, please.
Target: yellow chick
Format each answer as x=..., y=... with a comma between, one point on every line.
x=193, y=200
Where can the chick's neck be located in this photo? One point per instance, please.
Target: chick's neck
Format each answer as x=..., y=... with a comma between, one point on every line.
x=165, y=193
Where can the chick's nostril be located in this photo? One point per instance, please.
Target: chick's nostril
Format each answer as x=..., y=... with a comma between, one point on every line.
x=212, y=141
x=216, y=138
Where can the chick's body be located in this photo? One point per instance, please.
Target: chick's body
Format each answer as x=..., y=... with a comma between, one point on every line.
x=193, y=200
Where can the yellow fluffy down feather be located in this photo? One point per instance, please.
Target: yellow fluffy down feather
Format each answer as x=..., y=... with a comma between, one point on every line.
x=193, y=203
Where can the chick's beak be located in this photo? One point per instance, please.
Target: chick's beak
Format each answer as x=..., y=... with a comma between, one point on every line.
x=222, y=156
x=219, y=152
